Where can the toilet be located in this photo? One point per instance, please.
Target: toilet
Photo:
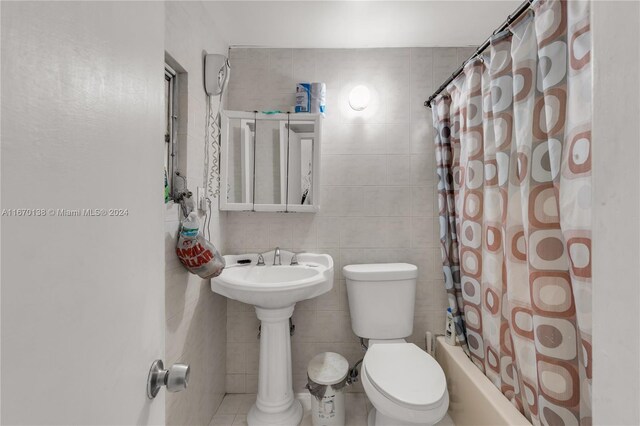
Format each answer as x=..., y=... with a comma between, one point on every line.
x=405, y=385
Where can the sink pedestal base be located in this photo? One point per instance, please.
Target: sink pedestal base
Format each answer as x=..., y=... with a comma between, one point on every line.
x=291, y=417
x=275, y=404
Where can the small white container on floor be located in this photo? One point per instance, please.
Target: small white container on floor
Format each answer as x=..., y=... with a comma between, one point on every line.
x=327, y=378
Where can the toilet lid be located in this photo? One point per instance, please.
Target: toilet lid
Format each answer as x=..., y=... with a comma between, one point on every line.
x=406, y=374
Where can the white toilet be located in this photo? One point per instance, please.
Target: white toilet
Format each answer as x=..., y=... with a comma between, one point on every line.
x=404, y=383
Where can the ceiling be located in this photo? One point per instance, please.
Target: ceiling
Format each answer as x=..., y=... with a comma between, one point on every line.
x=356, y=24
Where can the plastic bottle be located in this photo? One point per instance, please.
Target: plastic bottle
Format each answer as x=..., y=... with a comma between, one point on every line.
x=450, y=329
x=190, y=225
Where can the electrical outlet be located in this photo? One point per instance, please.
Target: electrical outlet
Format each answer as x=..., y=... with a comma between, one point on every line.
x=201, y=201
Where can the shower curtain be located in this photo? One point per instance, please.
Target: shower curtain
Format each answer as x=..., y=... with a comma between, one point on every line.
x=513, y=136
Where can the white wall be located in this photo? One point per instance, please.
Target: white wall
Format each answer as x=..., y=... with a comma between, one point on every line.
x=196, y=317
x=616, y=229
x=359, y=24
x=82, y=297
x=378, y=201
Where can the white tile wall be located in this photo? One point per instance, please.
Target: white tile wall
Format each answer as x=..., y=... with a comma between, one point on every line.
x=378, y=200
x=195, y=316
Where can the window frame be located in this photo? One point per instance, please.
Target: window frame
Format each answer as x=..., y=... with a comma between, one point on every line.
x=171, y=133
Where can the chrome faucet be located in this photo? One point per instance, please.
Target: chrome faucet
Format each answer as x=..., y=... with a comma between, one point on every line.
x=294, y=258
x=276, y=257
x=260, y=260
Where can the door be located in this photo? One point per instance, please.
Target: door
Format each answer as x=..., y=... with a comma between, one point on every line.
x=82, y=290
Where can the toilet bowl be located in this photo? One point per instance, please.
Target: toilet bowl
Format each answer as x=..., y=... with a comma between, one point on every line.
x=405, y=385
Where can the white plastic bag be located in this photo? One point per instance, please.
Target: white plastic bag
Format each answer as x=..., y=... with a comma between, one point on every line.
x=197, y=254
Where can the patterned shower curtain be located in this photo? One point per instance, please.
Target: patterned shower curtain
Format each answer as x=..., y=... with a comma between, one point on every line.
x=513, y=137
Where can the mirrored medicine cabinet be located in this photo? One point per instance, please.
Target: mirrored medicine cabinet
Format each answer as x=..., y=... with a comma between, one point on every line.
x=270, y=162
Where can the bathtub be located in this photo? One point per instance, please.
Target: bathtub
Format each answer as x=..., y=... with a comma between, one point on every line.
x=473, y=399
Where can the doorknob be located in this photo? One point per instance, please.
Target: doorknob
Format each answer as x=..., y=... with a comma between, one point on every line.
x=176, y=378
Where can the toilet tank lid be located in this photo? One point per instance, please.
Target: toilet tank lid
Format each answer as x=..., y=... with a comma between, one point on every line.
x=380, y=272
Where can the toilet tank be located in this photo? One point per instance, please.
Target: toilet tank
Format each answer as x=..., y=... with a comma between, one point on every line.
x=381, y=299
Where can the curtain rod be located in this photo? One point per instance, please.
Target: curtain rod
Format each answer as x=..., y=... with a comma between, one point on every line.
x=510, y=19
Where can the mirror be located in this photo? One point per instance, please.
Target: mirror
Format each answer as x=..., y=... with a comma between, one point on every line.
x=300, y=173
x=270, y=162
x=240, y=161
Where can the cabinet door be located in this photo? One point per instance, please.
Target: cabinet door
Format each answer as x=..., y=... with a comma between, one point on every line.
x=303, y=160
x=270, y=165
x=237, y=159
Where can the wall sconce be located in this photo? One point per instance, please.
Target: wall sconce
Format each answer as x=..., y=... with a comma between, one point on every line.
x=359, y=98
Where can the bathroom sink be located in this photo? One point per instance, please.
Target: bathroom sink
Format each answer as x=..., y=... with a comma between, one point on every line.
x=273, y=287
x=274, y=290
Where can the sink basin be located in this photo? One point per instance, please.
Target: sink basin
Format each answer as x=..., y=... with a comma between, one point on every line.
x=271, y=286
x=274, y=291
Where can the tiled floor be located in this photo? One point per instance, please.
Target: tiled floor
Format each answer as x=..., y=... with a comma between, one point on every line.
x=234, y=408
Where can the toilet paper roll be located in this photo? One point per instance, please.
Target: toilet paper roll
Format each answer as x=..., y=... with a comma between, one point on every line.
x=318, y=97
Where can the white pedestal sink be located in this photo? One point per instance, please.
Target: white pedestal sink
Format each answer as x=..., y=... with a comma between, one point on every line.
x=274, y=291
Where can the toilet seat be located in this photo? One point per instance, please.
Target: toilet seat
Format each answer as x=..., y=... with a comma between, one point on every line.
x=406, y=386
x=406, y=375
